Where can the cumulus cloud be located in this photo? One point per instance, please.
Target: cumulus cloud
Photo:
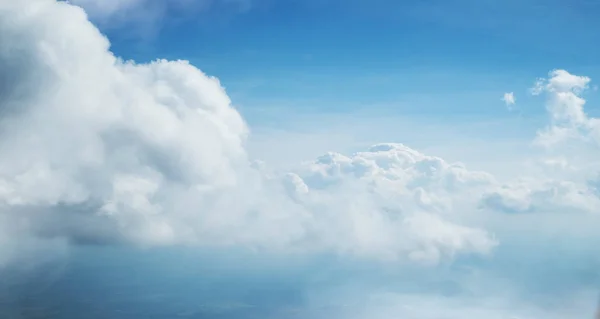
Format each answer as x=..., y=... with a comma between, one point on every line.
x=393, y=199
x=101, y=150
x=567, y=168
x=565, y=105
x=509, y=99
x=109, y=151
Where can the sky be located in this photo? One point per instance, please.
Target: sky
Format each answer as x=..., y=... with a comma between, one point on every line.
x=303, y=159
x=441, y=62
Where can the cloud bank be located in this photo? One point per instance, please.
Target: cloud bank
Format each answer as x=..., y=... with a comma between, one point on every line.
x=104, y=150
x=101, y=150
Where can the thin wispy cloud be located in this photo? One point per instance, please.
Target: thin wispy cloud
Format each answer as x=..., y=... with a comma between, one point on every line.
x=509, y=100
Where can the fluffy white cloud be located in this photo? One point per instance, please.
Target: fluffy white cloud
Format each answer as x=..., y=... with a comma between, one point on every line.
x=565, y=104
x=83, y=127
x=568, y=168
x=393, y=199
x=509, y=99
x=104, y=150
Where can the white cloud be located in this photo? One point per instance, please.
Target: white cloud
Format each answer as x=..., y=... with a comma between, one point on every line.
x=98, y=131
x=392, y=199
x=565, y=105
x=96, y=149
x=110, y=151
x=509, y=99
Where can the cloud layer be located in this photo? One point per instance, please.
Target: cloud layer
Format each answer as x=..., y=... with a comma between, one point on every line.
x=104, y=150
x=101, y=150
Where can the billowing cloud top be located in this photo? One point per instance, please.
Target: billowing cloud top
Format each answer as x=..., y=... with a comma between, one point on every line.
x=105, y=150
x=96, y=149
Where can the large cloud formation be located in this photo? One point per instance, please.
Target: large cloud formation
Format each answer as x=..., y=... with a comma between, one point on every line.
x=100, y=150
x=104, y=150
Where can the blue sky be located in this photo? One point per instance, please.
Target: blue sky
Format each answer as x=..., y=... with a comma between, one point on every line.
x=341, y=55
x=437, y=63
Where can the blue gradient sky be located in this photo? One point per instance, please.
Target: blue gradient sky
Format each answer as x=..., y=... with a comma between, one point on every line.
x=405, y=56
x=324, y=66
